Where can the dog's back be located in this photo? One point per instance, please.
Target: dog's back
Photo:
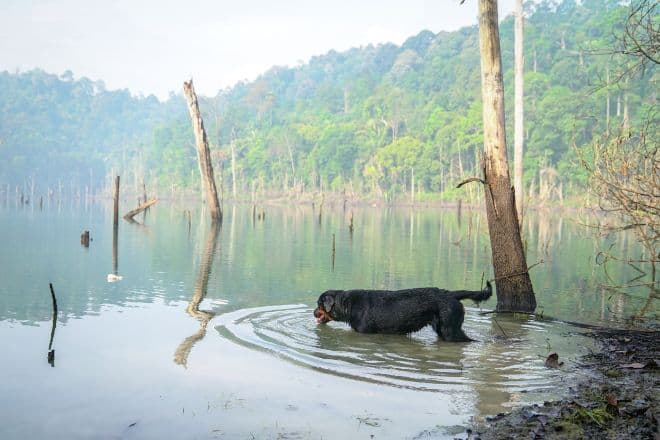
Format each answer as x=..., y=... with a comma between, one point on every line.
x=398, y=311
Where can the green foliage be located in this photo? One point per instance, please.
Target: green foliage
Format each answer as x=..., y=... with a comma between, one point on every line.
x=60, y=131
x=366, y=117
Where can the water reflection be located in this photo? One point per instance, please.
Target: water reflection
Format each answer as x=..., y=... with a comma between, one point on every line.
x=503, y=367
x=199, y=293
x=380, y=253
x=115, y=245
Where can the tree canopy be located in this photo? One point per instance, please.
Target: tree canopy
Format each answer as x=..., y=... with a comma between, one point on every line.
x=363, y=118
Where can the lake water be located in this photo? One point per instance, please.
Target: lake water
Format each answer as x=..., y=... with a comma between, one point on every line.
x=210, y=333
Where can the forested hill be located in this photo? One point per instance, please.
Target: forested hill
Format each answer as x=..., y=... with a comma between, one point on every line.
x=360, y=120
x=56, y=131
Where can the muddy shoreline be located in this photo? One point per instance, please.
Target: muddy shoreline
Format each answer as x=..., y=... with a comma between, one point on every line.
x=617, y=399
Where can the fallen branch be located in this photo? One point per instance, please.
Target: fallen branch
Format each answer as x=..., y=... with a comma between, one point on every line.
x=130, y=214
x=471, y=179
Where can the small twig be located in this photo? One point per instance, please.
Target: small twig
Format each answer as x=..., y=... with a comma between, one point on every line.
x=518, y=273
x=500, y=327
x=492, y=200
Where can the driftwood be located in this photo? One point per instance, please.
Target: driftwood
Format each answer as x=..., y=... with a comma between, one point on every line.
x=130, y=214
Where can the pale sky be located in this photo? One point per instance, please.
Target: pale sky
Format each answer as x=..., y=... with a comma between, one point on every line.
x=152, y=46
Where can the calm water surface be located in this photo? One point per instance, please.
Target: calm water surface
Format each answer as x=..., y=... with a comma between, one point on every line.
x=210, y=333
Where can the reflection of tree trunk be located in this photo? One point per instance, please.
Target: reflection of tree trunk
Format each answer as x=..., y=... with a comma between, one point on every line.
x=492, y=385
x=201, y=284
x=514, y=287
x=115, y=259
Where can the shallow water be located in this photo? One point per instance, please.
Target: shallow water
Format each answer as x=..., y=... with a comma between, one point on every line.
x=210, y=333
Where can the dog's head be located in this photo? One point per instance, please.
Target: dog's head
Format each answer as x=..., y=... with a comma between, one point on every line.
x=326, y=307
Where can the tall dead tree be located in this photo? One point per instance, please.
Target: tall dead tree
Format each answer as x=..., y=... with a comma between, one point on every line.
x=203, y=153
x=514, y=287
x=518, y=133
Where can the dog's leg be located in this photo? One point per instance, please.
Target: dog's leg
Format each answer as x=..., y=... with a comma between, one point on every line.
x=448, y=321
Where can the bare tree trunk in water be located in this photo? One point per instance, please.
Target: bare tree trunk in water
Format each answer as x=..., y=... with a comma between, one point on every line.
x=518, y=112
x=514, y=287
x=115, y=199
x=203, y=153
x=233, y=169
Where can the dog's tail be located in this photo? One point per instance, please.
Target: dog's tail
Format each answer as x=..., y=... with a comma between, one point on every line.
x=475, y=295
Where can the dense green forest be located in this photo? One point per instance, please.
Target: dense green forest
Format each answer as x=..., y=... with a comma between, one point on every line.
x=363, y=121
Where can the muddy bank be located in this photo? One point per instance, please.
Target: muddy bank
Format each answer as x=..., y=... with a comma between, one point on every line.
x=617, y=399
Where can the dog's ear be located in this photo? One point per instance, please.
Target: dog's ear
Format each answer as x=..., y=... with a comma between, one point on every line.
x=328, y=302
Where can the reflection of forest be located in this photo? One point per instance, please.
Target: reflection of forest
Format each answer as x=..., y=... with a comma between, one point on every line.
x=286, y=259
x=201, y=285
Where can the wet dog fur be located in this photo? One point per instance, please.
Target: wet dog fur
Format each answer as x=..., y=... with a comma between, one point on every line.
x=400, y=311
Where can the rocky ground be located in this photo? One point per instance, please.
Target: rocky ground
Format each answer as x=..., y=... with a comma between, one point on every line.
x=618, y=399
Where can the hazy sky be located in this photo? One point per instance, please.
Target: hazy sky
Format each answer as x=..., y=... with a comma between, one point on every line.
x=152, y=46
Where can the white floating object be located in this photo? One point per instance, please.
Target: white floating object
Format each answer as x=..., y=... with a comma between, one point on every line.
x=112, y=277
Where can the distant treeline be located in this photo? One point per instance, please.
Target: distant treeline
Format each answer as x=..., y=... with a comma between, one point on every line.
x=365, y=121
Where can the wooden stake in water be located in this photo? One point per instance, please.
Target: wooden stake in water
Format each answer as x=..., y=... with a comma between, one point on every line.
x=84, y=238
x=333, y=252
x=115, y=198
x=51, y=352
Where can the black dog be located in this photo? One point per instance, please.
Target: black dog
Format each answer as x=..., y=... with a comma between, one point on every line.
x=400, y=311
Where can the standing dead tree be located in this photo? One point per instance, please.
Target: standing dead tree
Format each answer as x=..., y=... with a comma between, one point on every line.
x=518, y=110
x=203, y=152
x=514, y=286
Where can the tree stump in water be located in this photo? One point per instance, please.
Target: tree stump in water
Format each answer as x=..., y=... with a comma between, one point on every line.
x=84, y=238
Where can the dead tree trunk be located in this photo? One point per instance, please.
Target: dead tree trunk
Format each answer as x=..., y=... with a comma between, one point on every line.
x=518, y=112
x=514, y=287
x=203, y=153
x=115, y=217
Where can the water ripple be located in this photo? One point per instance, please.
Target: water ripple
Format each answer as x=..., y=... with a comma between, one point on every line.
x=512, y=362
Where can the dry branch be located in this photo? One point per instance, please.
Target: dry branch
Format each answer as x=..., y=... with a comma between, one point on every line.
x=471, y=179
x=130, y=214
